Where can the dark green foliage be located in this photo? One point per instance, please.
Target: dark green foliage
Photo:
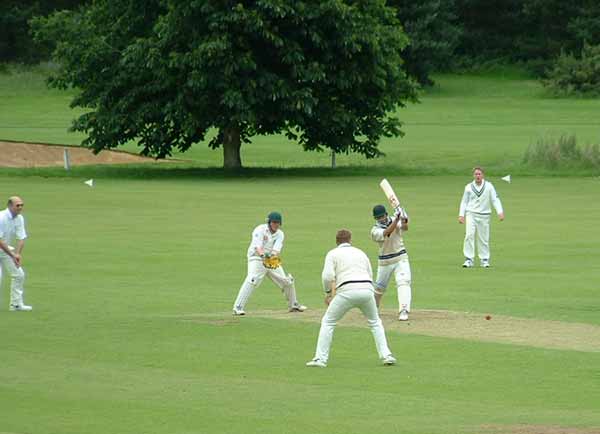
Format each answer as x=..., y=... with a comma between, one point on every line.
x=13, y=30
x=585, y=26
x=16, y=43
x=544, y=29
x=434, y=32
x=326, y=73
x=489, y=28
x=572, y=75
x=533, y=32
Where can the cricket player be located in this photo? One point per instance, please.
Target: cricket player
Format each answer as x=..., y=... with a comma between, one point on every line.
x=263, y=260
x=475, y=213
x=348, y=270
x=393, y=259
x=12, y=241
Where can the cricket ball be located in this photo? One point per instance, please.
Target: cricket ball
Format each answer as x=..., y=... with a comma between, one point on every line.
x=488, y=317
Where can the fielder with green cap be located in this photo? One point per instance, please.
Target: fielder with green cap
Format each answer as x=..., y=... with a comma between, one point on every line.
x=263, y=260
x=393, y=259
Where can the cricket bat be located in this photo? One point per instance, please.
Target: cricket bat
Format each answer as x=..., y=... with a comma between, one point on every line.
x=389, y=193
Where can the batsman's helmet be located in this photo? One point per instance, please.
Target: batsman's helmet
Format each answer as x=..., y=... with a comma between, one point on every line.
x=274, y=216
x=379, y=211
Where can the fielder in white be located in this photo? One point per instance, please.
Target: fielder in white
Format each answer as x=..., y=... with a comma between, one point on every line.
x=267, y=241
x=349, y=270
x=393, y=259
x=12, y=241
x=475, y=213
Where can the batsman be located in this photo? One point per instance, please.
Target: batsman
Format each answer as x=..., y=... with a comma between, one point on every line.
x=393, y=259
x=264, y=260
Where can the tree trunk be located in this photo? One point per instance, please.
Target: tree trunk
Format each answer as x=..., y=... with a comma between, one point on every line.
x=231, y=148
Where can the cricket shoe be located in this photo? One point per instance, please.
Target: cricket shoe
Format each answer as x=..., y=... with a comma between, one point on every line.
x=468, y=263
x=485, y=263
x=316, y=363
x=20, y=308
x=389, y=360
x=238, y=312
x=297, y=307
x=403, y=316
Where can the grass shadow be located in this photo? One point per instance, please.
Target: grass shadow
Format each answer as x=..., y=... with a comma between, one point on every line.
x=149, y=171
x=190, y=171
x=170, y=171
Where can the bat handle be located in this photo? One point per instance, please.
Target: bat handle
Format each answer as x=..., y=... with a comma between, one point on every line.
x=399, y=211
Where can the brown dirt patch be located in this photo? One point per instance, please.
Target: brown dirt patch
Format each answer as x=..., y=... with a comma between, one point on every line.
x=538, y=429
x=459, y=325
x=19, y=154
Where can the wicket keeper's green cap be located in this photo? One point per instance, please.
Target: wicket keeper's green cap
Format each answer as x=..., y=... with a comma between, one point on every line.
x=274, y=216
x=379, y=211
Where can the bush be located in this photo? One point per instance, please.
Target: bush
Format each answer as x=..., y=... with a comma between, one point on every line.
x=590, y=155
x=572, y=75
x=563, y=152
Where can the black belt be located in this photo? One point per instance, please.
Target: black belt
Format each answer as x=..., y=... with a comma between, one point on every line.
x=393, y=255
x=354, y=281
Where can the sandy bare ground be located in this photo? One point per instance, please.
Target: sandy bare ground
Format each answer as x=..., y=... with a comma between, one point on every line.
x=459, y=325
x=537, y=429
x=18, y=154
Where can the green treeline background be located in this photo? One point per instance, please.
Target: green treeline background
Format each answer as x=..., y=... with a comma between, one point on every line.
x=445, y=35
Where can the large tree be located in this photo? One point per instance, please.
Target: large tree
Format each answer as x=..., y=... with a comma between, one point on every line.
x=328, y=74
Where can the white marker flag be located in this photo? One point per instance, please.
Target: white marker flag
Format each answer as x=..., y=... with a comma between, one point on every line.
x=89, y=182
x=506, y=178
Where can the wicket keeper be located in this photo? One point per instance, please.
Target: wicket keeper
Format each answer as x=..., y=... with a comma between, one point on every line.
x=264, y=260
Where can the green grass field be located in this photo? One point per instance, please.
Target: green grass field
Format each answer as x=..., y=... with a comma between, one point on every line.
x=132, y=282
x=490, y=119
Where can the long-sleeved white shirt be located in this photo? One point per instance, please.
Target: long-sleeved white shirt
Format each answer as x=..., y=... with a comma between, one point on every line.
x=479, y=199
x=391, y=248
x=11, y=228
x=346, y=264
x=263, y=237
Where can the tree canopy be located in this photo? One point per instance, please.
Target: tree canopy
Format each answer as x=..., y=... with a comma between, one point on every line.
x=328, y=74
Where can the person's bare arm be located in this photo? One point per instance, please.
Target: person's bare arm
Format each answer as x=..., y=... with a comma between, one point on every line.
x=392, y=227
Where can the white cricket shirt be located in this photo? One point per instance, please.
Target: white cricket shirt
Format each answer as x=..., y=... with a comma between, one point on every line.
x=348, y=267
x=263, y=237
x=11, y=228
x=479, y=199
x=391, y=248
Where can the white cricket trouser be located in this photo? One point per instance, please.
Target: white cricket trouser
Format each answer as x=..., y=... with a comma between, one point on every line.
x=477, y=225
x=17, y=276
x=401, y=272
x=256, y=273
x=364, y=299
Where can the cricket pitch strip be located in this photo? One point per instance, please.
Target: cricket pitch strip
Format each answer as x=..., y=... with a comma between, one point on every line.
x=443, y=323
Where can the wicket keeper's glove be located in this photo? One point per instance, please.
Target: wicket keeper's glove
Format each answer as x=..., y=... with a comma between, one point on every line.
x=271, y=262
